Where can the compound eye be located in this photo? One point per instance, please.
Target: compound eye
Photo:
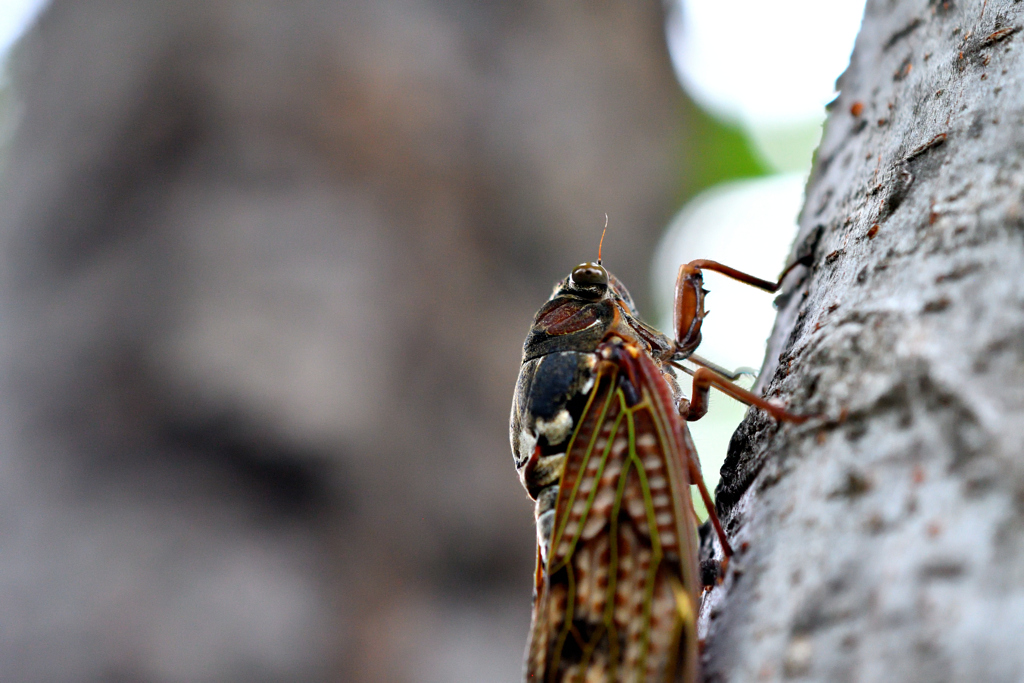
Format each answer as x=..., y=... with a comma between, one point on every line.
x=589, y=275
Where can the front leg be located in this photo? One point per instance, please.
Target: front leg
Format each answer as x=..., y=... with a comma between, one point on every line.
x=688, y=312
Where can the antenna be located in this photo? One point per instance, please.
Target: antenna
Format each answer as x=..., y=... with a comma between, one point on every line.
x=601, y=243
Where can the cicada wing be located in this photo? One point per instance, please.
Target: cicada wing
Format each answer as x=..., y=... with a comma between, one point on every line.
x=617, y=598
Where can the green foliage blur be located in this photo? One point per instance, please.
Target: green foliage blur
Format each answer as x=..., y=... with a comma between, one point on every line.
x=714, y=151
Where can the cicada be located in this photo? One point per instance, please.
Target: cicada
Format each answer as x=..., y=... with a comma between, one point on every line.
x=598, y=432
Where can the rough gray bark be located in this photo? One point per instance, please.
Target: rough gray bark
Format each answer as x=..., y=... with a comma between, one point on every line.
x=886, y=542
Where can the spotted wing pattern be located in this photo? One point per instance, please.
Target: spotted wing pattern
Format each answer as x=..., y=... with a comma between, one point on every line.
x=617, y=598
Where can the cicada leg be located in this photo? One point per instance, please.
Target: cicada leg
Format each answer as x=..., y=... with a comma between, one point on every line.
x=697, y=407
x=688, y=314
x=697, y=477
x=705, y=378
x=731, y=375
x=689, y=300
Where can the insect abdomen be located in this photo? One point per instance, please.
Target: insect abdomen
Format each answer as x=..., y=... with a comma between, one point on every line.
x=616, y=600
x=548, y=400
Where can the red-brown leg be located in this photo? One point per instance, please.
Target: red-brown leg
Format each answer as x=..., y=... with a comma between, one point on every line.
x=740, y=276
x=704, y=379
x=696, y=408
x=698, y=478
x=688, y=311
x=687, y=317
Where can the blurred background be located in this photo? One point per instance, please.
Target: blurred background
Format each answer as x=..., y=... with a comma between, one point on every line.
x=265, y=272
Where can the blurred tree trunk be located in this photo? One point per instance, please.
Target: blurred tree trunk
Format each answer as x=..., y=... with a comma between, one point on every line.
x=886, y=542
x=265, y=271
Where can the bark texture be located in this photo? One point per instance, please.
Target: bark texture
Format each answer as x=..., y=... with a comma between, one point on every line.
x=886, y=541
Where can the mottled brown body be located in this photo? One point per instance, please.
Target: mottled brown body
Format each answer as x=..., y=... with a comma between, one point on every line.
x=601, y=445
x=618, y=596
x=602, y=449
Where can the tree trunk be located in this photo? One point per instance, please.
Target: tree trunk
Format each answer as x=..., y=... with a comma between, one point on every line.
x=885, y=541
